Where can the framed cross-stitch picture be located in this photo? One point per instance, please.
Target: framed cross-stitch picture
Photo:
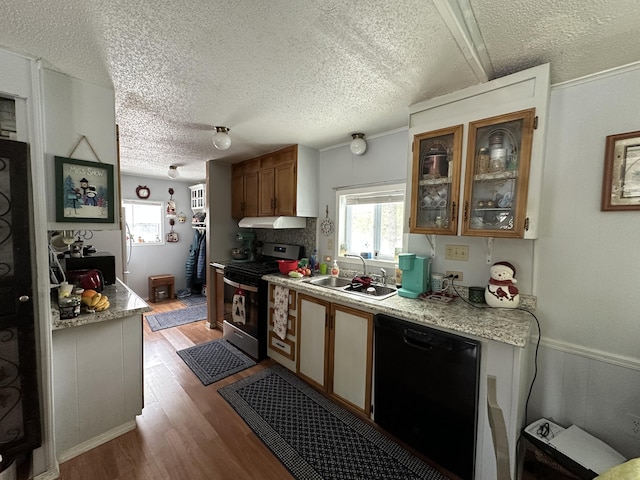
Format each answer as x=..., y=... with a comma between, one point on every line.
x=84, y=191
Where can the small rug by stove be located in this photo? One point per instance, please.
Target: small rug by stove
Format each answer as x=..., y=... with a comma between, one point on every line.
x=215, y=360
x=315, y=438
x=193, y=300
x=178, y=317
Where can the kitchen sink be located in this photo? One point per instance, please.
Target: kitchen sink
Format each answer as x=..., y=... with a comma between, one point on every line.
x=379, y=292
x=333, y=282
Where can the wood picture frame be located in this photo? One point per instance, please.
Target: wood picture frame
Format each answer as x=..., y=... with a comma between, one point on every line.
x=84, y=191
x=621, y=177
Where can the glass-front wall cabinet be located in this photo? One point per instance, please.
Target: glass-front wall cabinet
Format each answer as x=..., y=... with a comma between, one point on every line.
x=436, y=181
x=497, y=175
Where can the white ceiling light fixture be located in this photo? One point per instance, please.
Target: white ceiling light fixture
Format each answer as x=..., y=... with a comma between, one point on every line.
x=358, y=146
x=173, y=171
x=221, y=139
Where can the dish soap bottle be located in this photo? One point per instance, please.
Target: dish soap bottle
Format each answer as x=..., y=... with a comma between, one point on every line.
x=335, y=269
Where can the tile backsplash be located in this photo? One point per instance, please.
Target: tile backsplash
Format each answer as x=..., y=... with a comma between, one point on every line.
x=295, y=236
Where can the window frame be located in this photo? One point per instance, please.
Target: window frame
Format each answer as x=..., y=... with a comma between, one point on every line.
x=161, y=205
x=341, y=221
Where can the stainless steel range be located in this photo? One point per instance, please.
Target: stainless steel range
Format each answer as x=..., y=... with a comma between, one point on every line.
x=246, y=302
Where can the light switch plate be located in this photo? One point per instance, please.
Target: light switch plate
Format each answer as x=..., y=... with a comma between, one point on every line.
x=457, y=252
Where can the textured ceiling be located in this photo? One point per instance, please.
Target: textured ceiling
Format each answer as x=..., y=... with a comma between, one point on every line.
x=300, y=71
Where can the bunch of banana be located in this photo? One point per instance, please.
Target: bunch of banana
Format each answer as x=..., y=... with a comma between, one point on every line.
x=95, y=301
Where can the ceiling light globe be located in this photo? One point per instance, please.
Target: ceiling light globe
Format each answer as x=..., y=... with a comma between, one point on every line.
x=221, y=139
x=173, y=171
x=358, y=145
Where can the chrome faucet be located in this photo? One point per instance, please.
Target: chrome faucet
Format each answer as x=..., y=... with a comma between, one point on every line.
x=383, y=274
x=364, y=264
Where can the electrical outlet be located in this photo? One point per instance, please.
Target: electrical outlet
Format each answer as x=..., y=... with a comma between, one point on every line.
x=632, y=423
x=457, y=252
x=452, y=274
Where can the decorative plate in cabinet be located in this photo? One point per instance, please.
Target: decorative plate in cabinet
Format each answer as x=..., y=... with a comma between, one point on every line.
x=436, y=181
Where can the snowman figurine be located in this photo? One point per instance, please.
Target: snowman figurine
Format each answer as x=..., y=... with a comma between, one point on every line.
x=501, y=290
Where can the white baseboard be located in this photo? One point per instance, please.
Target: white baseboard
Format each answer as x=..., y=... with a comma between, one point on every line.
x=48, y=475
x=96, y=441
x=599, y=355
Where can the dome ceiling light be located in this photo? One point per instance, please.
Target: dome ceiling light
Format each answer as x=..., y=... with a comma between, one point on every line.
x=358, y=145
x=173, y=171
x=221, y=139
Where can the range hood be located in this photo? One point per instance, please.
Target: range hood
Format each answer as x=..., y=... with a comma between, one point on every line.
x=273, y=222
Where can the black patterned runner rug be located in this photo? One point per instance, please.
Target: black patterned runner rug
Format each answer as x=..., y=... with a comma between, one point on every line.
x=315, y=438
x=212, y=361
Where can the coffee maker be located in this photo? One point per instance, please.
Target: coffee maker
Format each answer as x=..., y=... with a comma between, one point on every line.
x=415, y=274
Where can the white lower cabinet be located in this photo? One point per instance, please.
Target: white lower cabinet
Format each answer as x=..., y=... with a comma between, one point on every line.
x=335, y=349
x=98, y=383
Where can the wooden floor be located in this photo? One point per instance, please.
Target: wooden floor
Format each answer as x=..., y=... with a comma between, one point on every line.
x=186, y=430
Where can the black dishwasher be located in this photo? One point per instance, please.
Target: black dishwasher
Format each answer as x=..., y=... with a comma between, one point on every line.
x=426, y=391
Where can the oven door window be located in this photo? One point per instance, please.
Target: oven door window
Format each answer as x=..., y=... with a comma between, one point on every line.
x=241, y=306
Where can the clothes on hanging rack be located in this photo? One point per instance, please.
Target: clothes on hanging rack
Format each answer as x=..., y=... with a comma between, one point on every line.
x=195, y=265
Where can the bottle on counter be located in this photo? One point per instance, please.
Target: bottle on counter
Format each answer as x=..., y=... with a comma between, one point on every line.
x=313, y=262
x=335, y=269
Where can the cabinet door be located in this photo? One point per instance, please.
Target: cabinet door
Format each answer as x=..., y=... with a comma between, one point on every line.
x=313, y=340
x=266, y=191
x=251, y=195
x=237, y=197
x=285, y=189
x=436, y=181
x=497, y=178
x=350, y=360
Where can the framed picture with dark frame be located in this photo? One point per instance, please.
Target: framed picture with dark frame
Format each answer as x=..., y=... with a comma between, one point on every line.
x=621, y=179
x=84, y=191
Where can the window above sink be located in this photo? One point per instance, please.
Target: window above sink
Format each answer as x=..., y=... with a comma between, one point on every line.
x=370, y=221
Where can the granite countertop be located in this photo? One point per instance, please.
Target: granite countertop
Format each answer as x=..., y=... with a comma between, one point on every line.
x=124, y=302
x=506, y=325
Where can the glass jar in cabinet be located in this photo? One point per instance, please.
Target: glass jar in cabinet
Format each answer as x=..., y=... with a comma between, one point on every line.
x=497, y=175
x=436, y=181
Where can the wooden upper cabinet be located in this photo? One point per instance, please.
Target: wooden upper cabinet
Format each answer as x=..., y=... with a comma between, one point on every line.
x=282, y=183
x=251, y=195
x=237, y=196
x=266, y=191
x=244, y=190
x=495, y=194
x=285, y=189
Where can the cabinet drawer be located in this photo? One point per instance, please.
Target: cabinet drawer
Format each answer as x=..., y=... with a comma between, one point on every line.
x=286, y=347
x=292, y=297
x=291, y=322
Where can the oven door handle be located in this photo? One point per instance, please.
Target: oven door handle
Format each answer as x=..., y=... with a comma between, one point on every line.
x=248, y=288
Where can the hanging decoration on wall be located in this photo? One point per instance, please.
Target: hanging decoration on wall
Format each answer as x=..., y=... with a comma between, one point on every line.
x=171, y=206
x=327, y=224
x=182, y=217
x=172, y=236
x=84, y=191
x=143, y=192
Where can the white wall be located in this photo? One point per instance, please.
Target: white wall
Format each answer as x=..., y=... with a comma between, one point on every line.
x=384, y=161
x=586, y=268
x=74, y=108
x=169, y=258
